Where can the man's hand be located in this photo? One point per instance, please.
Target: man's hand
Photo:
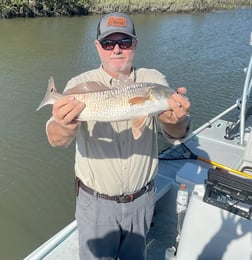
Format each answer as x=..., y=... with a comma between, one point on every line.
x=63, y=128
x=66, y=110
x=175, y=121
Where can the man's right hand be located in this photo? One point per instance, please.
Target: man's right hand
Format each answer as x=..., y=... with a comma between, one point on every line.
x=62, y=129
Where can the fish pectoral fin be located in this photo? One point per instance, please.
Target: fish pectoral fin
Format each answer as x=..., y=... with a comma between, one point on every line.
x=138, y=126
x=86, y=87
x=138, y=100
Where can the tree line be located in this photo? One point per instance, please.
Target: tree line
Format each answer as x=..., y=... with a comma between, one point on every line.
x=34, y=8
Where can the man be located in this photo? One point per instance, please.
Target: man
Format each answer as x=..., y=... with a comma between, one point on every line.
x=114, y=172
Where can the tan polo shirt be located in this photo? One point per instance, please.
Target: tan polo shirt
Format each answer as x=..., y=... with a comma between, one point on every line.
x=108, y=159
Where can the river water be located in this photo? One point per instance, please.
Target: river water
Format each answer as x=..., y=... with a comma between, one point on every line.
x=206, y=53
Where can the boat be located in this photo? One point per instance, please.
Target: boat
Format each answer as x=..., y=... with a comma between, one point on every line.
x=215, y=164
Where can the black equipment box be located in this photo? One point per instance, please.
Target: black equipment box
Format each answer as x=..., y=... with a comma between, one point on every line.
x=229, y=192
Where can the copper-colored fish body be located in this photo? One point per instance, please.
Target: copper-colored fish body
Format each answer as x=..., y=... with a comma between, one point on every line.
x=127, y=101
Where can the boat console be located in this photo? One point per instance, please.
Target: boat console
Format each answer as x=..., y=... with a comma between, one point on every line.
x=229, y=192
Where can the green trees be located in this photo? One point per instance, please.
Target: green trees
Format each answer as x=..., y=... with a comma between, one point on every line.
x=32, y=8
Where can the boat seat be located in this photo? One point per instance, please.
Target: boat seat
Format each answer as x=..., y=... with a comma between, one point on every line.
x=212, y=233
x=163, y=184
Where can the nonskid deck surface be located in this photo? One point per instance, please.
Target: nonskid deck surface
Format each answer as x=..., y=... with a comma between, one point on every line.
x=210, y=144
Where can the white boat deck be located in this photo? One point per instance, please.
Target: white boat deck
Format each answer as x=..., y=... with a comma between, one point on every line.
x=199, y=231
x=163, y=232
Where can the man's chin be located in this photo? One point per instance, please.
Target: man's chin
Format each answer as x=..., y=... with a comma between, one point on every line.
x=121, y=69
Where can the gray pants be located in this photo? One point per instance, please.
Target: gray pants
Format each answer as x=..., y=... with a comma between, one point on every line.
x=111, y=230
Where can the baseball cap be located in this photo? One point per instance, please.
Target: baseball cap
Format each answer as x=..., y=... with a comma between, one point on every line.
x=115, y=23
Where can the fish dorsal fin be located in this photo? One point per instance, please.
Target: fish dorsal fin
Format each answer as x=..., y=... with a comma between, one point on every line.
x=138, y=126
x=123, y=81
x=86, y=87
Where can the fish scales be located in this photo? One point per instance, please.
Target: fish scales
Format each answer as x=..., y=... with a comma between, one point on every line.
x=113, y=104
x=128, y=100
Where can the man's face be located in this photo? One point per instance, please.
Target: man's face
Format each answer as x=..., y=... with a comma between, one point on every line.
x=118, y=59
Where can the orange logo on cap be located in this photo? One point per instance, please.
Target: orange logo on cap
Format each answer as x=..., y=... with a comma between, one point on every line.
x=117, y=21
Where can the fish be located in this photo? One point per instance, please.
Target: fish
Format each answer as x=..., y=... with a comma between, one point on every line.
x=127, y=100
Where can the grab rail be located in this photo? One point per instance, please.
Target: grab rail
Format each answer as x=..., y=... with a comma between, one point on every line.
x=46, y=248
x=245, y=96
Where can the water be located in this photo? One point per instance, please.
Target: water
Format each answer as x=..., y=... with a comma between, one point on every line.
x=205, y=53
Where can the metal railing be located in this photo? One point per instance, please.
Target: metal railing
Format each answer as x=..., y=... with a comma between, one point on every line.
x=46, y=248
x=245, y=96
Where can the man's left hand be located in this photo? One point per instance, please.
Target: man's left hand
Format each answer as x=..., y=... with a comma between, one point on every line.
x=175, y=120
x=179, y=108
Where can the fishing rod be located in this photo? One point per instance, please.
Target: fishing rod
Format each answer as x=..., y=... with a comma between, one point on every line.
x=188, y=154
x=224, y=167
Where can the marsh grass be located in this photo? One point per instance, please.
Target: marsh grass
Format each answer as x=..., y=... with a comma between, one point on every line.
x=152, y=6
x=32, y=8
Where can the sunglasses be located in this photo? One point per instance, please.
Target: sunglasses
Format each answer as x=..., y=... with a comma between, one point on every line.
x=110, y=44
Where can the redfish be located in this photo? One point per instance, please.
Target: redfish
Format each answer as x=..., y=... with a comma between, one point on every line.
x=128, y=100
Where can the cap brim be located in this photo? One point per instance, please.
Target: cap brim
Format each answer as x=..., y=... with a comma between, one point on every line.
x=103, y=35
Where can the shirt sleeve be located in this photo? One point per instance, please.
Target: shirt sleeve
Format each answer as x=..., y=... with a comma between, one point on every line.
x=176, y=141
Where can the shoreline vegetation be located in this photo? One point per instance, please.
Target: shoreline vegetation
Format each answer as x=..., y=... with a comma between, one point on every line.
x=49, y=8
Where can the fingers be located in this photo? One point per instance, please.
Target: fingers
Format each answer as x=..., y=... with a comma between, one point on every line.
x=181, y=90
x=66, y=110
x=179, y=108
x=167, y=117
x=179, y=105
x=179, y=102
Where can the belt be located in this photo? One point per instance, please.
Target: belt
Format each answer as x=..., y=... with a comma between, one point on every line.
x=124, y=198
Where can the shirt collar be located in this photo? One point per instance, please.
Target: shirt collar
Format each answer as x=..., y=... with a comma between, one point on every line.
x=109, y=79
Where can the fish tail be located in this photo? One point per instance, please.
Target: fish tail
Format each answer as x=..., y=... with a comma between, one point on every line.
x=49, y=97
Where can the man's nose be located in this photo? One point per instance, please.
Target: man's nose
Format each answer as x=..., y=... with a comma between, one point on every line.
x=117, y=49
